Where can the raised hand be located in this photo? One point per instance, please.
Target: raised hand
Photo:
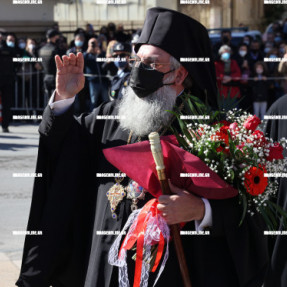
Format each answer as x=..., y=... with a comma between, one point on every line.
x=70, y=78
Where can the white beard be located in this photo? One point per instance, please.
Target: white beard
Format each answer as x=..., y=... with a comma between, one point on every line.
x=146, y=115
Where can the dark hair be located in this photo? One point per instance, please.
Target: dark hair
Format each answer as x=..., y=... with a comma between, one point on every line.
x=261, y=63
x=11, y=34
x=80, y=35
x=243, y=45
x=225, y=31
x=79, y=31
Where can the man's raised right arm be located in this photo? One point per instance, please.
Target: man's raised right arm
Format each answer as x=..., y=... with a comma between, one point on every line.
x=58, y=115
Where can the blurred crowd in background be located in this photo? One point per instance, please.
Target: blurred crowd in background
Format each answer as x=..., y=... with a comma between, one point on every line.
x=241, y=68
x=254, y=70
x=25, y=86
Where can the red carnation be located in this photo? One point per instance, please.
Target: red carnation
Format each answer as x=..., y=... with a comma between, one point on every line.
x=252, y=123
x=275, y=152
x=255, y=182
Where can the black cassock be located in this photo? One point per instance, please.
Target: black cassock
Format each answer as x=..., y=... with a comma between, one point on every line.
x=70, y=205
x=277, y=271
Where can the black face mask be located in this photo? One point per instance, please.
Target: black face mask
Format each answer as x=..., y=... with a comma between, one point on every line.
x=144, y=81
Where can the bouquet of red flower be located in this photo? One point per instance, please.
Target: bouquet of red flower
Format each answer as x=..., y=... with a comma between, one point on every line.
x=241, y=155
x=237, y=157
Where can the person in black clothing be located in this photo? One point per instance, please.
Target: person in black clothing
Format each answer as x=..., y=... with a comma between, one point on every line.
x=90, y=32
x=77, y=32
x=260, y=90
x=79, y=46
x=121, y=36
x=109, y=66
x=225, y=40
x=276, y=129
x=97, y=80
x=7, y=78
x=254, y=54
x=111, y=31
x=70, y=203
x=122, y=51
x=247, y=39
x=48, y=53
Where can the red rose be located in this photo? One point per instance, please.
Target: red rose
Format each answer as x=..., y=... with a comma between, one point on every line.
x=222, y=136
x=275, y=152
x=258, y=139
x=233, y=126
x=252, y=123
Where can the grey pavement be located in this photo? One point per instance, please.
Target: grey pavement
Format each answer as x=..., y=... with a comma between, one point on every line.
x=18, y=153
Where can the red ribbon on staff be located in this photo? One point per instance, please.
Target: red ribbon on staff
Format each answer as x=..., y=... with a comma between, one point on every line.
x=138, y=237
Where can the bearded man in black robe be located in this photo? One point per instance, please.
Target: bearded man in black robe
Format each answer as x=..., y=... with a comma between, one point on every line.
x=277, y=129
x=70, y=204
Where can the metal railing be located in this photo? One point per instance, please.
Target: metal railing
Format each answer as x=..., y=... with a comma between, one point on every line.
x=29, y=90
x=30, y=95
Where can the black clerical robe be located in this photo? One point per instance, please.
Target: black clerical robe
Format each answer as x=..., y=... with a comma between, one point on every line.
x=277, y=271
x=70, y=205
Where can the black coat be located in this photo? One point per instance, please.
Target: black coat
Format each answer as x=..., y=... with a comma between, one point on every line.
x=69, y=205
x=259, y=90
x=277, y=271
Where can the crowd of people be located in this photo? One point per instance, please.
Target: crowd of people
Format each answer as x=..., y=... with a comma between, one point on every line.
x=107, y=68
x=252, y=72
x=242, y=72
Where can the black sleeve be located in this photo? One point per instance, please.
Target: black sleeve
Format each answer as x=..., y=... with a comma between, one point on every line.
x=64, y=160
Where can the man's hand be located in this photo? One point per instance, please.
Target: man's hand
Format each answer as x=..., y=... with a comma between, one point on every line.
x=181, y=207
x=70, y=79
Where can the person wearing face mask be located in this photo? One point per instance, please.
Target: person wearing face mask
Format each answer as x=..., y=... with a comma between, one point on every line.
x=260, y=87
x=228, y=74
x=47, y=53
x=254, y=54
x=278, y=39
x=71, y=203
x=79, y=42
x=96, y=79
x=21, y=47
x=121, y=52
x=247, y=40
x=225, y=40
x=11, y=41
x=7, y=78
x=268, y=48
x=31, y=77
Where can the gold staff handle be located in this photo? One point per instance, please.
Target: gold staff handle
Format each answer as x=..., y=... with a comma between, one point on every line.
x=158, y=159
